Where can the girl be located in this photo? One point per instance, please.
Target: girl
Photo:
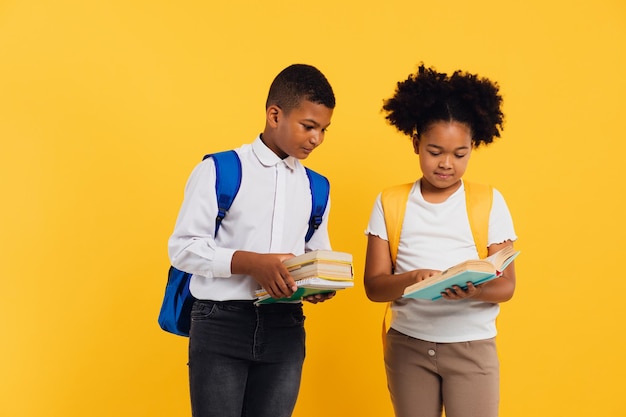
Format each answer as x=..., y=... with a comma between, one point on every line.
x=441, y=353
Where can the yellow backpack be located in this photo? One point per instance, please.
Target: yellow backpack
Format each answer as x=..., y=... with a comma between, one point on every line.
x=478, y=198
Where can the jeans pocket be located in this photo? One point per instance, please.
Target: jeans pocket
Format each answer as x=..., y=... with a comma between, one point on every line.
x=298, y=319
x=203, y=310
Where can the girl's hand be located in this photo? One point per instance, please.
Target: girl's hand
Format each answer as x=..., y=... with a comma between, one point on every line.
x=458, y=293
x=422, y=274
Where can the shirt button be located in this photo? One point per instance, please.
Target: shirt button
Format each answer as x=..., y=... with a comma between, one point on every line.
x=431, y=352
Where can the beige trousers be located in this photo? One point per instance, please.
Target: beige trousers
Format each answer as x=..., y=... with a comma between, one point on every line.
x=424, y=377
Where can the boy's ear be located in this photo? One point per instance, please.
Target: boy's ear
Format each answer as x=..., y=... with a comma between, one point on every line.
x=416, y=144
x=272, y=115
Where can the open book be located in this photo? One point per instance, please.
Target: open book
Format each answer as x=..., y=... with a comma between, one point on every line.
x=477, y=271
x=315, y=272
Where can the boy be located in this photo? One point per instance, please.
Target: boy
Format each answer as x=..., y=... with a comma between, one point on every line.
x=244, y=359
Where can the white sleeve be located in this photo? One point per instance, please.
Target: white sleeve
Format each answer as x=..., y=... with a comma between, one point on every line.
x=192, y=246
x=500, y=221
x=376, y=225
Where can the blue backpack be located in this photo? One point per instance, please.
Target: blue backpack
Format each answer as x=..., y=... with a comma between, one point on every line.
x=175, y=314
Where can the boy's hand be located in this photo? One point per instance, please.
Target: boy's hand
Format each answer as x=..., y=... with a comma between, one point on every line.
x=268, y=270
x=319, y=298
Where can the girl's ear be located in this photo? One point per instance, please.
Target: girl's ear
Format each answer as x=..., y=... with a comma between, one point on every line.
x=416, y=143
x=272, y=115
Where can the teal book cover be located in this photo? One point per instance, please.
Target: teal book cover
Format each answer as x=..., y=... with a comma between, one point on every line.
x=298, y=295
x=477, y=271
x=433, y=292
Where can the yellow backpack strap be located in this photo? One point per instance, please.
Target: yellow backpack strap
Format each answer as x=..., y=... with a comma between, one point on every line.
x=478, y=199
x=394, y=201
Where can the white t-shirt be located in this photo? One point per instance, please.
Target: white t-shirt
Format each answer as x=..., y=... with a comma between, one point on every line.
x=270, y=214
x=437, y=236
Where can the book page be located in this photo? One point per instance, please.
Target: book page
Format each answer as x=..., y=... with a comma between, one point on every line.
x=503, y=257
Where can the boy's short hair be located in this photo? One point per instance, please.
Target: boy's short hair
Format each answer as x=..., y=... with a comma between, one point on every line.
x=300, y=82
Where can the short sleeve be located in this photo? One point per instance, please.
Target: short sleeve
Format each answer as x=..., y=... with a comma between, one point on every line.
x=500, y=221
x=376, y=225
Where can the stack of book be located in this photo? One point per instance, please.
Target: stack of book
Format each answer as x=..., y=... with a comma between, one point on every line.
x=315, y=272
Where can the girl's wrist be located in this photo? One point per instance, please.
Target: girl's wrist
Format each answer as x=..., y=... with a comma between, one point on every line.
x=478, y=293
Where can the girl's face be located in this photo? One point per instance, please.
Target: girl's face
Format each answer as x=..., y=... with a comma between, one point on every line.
x=444, y=150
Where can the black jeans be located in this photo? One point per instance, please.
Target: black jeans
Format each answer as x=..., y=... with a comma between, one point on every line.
x=245, y=360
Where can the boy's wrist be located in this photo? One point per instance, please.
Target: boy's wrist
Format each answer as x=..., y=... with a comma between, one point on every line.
x=239, y=261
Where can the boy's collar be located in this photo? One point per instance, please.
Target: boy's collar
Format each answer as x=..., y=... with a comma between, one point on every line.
x=267, y=157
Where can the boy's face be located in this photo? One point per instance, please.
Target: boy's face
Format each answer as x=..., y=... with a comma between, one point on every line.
x=298, y=132
x=444, y=151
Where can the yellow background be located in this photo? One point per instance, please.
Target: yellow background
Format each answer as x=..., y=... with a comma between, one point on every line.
x=105, y=107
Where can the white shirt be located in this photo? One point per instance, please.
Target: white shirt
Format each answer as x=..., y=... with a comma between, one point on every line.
x=270, y=214
x=437, y=236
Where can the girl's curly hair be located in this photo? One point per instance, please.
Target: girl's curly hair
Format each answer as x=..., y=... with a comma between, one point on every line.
x=429, y=96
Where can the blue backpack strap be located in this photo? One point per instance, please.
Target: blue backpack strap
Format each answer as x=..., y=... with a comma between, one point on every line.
x=175, y=314
x=320, y=190
x=227, y=182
